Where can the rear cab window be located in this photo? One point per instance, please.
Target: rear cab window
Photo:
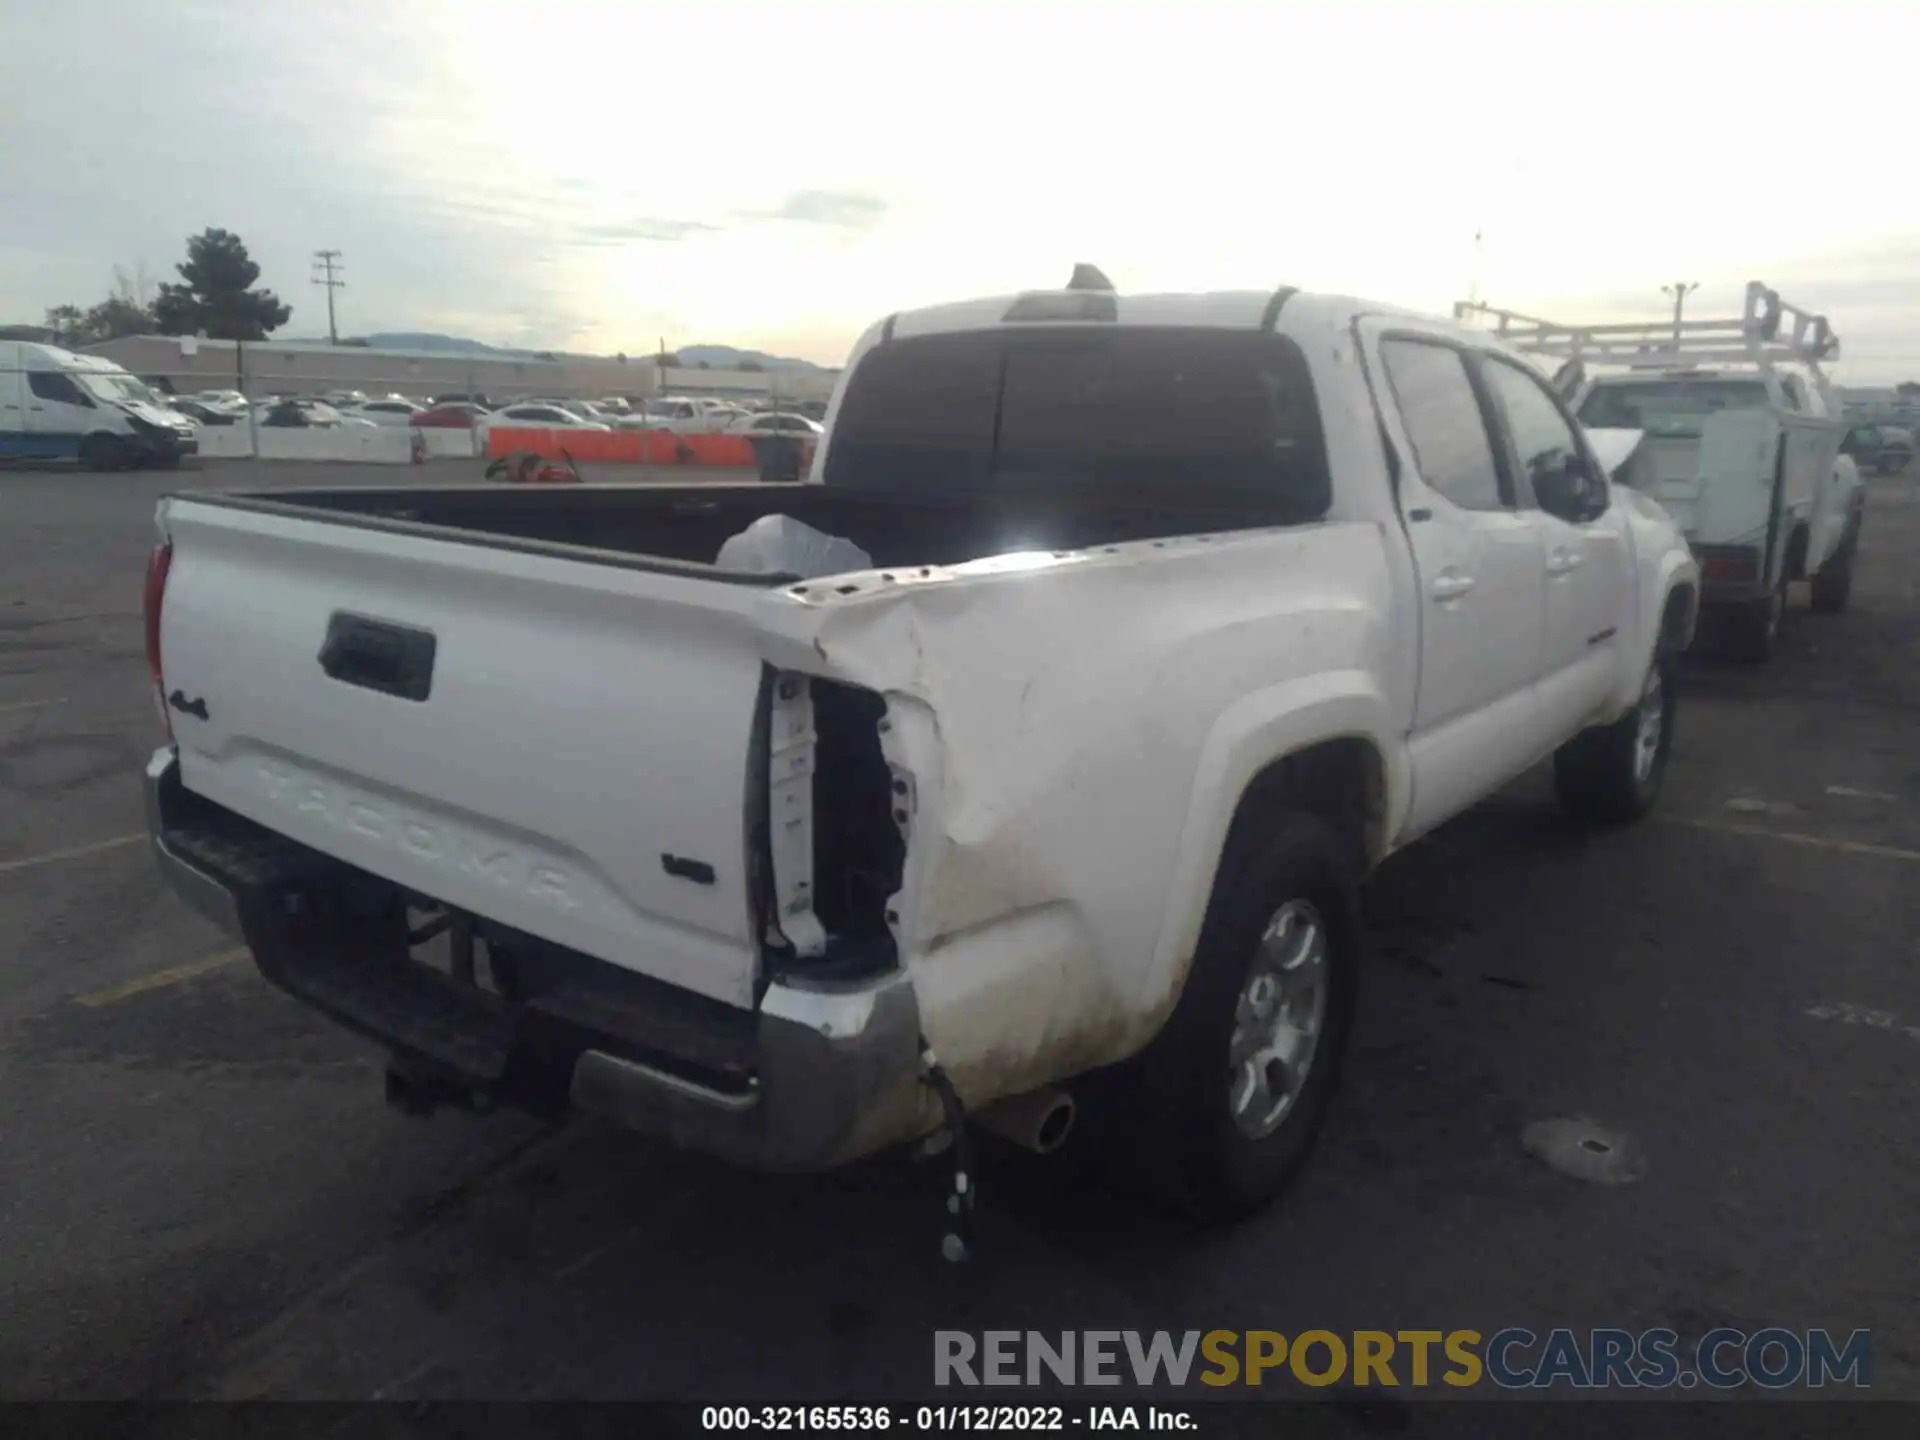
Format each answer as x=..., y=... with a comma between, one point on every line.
x=1668, y=409
x=1202, y=415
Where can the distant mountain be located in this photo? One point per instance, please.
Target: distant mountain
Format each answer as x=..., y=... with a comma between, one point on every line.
x=726, y=357
x=452, y=344
x=718, y=357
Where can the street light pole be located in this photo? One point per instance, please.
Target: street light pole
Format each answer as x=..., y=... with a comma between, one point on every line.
x=1680, y=289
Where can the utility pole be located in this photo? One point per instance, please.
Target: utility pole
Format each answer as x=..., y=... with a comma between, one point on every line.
x=1473, y=290
x=1679, y=290
x=325, y=264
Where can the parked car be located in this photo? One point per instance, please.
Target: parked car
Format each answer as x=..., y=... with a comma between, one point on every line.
x=56, y=405
x=230, y=400
x=1884, y=449
x=460, y=415
x=548, y=417
x=774, y=423
x=345, y=399
x=293, y=412
x=466, y=398
x=390, y=411
x=689, y=415
x=202, y=413
x=814, y=861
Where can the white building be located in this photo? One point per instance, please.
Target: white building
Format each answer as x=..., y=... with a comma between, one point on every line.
x=302, y=367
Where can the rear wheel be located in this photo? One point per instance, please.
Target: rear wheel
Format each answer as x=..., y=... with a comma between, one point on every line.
x=1221, y=1109
x=1753, y=630
x=1612, y=774
x=1833, y=586
x=104, y=452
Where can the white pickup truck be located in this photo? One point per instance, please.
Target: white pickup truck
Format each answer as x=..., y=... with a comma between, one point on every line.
x=1182, y=611
x=1732, y=425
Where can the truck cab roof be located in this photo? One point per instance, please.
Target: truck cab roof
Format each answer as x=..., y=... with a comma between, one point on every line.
x=1300, y=314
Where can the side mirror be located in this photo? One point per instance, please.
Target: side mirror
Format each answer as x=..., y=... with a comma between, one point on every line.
x=1569, y=487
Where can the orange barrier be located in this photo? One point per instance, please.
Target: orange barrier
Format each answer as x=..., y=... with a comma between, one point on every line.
x=622, y=447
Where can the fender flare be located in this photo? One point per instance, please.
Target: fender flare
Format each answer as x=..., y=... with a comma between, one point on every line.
x=1248, y=738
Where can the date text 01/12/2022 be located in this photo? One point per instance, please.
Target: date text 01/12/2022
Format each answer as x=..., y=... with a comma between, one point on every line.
x=938, y=1418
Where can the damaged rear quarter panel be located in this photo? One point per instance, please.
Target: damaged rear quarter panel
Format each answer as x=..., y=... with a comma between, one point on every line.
x=1054, y=718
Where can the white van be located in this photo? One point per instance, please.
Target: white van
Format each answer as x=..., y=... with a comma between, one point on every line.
x=55, y=405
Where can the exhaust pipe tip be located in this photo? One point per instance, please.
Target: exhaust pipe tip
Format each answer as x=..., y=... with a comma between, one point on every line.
x=1040, y=1121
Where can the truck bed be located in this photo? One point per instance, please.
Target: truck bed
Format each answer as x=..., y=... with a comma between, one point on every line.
x=681, y=528
x=548, y=708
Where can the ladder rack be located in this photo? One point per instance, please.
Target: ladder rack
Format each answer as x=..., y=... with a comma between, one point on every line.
x=1769, y=330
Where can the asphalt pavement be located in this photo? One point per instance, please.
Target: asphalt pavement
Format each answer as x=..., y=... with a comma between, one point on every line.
x=203, y=1194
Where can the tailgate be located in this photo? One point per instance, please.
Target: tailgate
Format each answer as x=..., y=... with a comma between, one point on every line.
x=560, y=746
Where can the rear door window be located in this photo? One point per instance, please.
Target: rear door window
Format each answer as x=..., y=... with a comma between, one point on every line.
x=1444, y=422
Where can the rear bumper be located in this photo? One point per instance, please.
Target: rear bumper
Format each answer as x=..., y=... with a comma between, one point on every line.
x=819, y=1074
x=1731, y=575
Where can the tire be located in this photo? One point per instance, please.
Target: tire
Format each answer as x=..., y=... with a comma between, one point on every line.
x=104, y=452
x=1753, y=630
x=1173, y=1122
x=1833, y=586
x=1612, y=774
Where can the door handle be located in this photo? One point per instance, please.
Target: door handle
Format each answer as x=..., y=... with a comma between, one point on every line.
x=1561, y=562
x=1451, y=587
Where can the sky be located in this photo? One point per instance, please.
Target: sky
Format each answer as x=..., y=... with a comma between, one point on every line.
x=602, y=176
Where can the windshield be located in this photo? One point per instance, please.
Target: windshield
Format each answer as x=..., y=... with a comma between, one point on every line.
x=1160, y=414
x=115, y=387
x=1668, y=409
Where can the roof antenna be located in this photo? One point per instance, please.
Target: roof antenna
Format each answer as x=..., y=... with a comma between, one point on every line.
x=1089, y=277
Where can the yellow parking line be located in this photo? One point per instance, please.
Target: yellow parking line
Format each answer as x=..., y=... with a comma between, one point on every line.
x=160, y=979
x=1792, y=837
x=7, y=867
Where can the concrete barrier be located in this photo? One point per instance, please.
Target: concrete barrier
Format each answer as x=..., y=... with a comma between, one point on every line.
x=445, y=444
x=361, y=444
x=226, y=442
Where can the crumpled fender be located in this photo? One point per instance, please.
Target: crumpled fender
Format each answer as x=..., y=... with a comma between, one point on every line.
x=1066, y=721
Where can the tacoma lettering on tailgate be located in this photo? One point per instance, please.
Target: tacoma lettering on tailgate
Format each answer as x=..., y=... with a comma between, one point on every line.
x=434, y=841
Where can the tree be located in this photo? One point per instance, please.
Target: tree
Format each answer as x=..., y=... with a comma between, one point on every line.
x=116, y=316
x=1908, y=391
x=66, y=321
x=751, y=366
x=218, y=297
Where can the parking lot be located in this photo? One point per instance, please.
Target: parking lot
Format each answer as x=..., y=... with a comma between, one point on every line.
x=204, y=1196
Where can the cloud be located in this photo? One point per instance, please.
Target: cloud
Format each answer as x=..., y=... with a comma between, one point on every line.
x=626, y=232
x=838, y=209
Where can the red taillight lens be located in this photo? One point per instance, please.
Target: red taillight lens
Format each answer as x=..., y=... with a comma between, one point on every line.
x=158, y=564
x=1730, y=567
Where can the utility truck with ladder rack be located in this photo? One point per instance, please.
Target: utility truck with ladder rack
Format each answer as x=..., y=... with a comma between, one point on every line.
x=1734, y=428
